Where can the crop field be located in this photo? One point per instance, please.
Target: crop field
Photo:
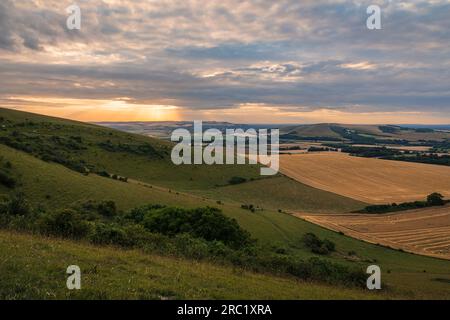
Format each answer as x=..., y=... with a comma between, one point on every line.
x=51, y=186
x=365, y=179
x=422, y=231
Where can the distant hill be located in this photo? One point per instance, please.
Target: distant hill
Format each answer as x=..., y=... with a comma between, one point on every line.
x=164, y=129
x=56, y=163
x=322, y=131
x=363, y=133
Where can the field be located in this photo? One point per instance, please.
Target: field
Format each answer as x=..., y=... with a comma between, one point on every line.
x=274, y=229
x=360, y=133
x=422, y=231
x=285, y=194
x=52, y=186
x=366, y=179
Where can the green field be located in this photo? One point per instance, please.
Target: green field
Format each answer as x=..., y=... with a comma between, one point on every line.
x=285, y=194
x=52, y=186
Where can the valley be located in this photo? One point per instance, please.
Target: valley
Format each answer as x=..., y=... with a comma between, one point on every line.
x=59, y=165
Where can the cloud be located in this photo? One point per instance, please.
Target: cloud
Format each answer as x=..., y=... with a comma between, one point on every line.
x=200, y=55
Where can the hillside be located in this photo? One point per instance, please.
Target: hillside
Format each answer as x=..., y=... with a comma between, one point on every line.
x=323, y=130
x=363, y=133
x=88, y=148
x=54, y=185
x=110, y=273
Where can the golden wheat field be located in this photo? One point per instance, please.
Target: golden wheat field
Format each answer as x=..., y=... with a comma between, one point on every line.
x=370, y=180
x=422, y=231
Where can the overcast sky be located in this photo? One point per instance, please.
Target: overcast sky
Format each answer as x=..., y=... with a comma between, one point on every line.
x=286, y=61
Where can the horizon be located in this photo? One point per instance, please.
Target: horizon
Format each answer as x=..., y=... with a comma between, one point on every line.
x=283, y=62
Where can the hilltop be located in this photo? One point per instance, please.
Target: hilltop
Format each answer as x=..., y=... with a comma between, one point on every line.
x=370, y=134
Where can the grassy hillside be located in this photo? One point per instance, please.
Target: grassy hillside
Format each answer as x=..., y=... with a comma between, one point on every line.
x=88, y=148
x=34, y=268
x=54, y=185
x=38, y=179
x=310, y=131
x=285, y=194
x=362, y=133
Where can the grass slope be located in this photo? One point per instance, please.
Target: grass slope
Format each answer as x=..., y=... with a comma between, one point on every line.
x=406, y=275
x=403, y=273
x=286, y=194
x=34, y=268
x=36, y=134
x=99, y=148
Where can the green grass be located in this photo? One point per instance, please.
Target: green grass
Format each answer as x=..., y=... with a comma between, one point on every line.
x=55, y=186
x=281, y=192
x=65, y=186
x=35, y=268
x=37, y=136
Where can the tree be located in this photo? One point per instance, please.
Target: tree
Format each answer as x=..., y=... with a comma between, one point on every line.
x=435, y=199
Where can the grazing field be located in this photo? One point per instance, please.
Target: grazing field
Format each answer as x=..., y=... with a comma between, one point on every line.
x=365, y=179
x=422, y=231
x=285, y=194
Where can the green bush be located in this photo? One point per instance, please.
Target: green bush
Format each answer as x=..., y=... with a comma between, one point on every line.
x=435, y=199
x=237, y=180
x=66, y=223
x=318, y=246
x=7, y=180
x=107, y=208
x=207, y=223
x=137, y=214
x=110, y=234
x=17, y=205
x=95, y=210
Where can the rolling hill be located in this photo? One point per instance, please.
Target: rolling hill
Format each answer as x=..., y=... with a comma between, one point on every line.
x=362, y=133
x=57, y=162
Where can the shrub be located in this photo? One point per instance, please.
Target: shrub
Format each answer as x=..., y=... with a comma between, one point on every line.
x=107, y=208
x=249, y=207
x=318, y=246
x=17, y=205
x=331, y=246
x=94, y=210
x=207, y=223
x=237, y=180
x=137, y=214
x=191, y=247
x=110, y=234
x=104, y=174
x=65, y=223
x=435, y=199
x=7, y=180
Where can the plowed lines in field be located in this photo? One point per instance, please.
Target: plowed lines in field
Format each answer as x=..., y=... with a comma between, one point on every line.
x=424, y=231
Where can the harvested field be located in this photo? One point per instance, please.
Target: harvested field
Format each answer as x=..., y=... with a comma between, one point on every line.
x=422, y=231
x=366, y=179
x=396, y=147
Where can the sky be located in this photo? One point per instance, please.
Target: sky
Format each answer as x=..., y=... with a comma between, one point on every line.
x=255, y=61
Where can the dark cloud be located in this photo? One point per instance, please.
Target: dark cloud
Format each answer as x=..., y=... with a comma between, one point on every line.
x=200, y=55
